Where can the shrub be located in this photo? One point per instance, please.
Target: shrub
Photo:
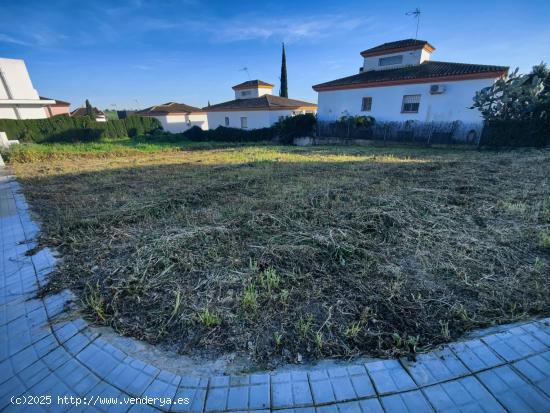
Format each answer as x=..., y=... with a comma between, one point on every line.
x=295, y=127
x=515, y=133
x=223, y=134
x=76, y=129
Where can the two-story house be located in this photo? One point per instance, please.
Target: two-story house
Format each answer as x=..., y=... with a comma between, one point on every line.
x=399, y=82
x=255, y=107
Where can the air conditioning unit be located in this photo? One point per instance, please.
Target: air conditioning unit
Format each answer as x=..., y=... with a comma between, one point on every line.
x=437, y=89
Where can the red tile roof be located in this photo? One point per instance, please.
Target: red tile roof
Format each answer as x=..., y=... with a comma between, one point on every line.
x=400, y=45
x=169, y=108
x=250, y=84
x=265, y=102
x=82, y=112
x=428, y=71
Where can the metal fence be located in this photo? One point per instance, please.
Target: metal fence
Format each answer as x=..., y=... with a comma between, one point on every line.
x=456, y=132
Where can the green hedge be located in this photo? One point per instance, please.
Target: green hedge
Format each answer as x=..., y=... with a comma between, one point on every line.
x=514, y=133
x=76, y=129
x=285, y=130
x=223, y=134
x=295, y=127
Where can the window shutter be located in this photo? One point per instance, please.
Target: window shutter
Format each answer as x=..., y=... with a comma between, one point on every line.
x=367, y=104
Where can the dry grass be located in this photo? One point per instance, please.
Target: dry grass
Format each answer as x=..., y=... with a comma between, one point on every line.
x=284, y=253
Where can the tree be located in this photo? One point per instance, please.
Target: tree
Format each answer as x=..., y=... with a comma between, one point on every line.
x=89, y=109
x=516, y=97
x=284, y=85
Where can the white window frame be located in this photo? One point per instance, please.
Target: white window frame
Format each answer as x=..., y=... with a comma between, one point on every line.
x=410, y=100
x=226, y=121
x=244, y=122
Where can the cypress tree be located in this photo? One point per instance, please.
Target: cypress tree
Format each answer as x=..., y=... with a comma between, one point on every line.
x=89, y=109
x=284, y=85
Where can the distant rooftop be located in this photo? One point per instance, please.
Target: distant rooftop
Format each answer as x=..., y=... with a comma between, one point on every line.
x=57, y=101
x=169, y=108
x=397, y=46
x=265, y=102
x=250, y=84
x=82, y=112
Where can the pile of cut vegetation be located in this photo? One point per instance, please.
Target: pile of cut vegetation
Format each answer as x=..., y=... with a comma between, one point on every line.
x=288, y=254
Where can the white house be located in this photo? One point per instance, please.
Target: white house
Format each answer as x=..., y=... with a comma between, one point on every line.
x=399, y=82
x=255, y=107
x=18, y=98
x=177, y=117
x=98, y=115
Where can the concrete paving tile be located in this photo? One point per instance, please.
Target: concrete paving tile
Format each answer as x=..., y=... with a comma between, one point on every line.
x=389, y=376
x=476, y=355
x=290, y=390
x=410, y=402
x=539, y=332
x=189, y=399
x=537, y=370
x=514, y=344
x=466, y=394
x=435, y=367
x=513, y=392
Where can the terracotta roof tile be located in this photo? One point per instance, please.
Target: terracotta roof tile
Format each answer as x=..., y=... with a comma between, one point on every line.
x=249, y=84
x=426, y=71
x=265, y=102
x=400, y=44
x=167, y=109
x=82, y=112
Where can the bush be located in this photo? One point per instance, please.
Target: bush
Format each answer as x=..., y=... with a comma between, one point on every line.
x=295, y=127
x=76, y=129
x=223, y=134
x=515, y=133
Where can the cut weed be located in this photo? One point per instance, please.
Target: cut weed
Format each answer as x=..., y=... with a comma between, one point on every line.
x=346, y=250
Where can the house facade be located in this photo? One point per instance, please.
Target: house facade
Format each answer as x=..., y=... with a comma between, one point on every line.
x=60, y=107
x=255, y=107
x=399, y=82
x=177, y=117
x=18, y=98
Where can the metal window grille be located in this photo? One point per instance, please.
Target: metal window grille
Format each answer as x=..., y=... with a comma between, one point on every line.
x=410, y=104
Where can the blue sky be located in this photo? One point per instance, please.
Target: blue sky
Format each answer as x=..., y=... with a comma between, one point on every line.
x=136, y=53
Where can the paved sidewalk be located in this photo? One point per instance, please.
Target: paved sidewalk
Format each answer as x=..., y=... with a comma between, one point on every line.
x=43, y=352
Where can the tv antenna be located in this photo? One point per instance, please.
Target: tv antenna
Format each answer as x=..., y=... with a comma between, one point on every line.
x=416, y=14
x=245, y=69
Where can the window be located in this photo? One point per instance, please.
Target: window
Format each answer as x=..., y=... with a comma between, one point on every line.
x=245, y=93
x=367, y=104
x=391, y=60
x=244, y=123
x=410, y=104
x=227, y=121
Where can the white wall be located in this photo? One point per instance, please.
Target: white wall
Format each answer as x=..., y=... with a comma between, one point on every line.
x=15, y=84
x=7, y=111
x=410, y=57
x=452, y=105
x=252, y=93
x=180, y=123
x=256, y=118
